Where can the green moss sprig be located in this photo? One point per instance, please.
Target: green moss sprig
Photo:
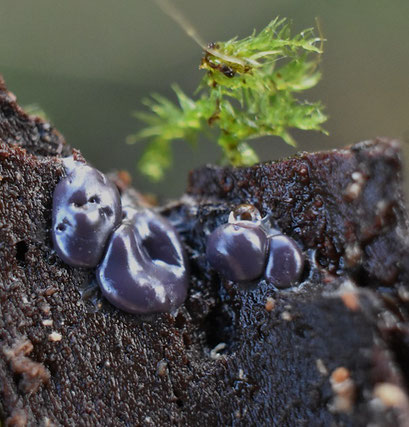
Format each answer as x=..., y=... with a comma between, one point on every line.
x=249, y=90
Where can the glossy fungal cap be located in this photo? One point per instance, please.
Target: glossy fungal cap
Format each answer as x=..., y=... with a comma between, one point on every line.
x=86, y=209
x=238, y=251
x=285, y=262
x=144, y=269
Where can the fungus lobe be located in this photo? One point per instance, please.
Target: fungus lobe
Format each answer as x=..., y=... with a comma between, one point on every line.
x=238, y=250
x=86, y=209
x=144, y=269
x=285, y=261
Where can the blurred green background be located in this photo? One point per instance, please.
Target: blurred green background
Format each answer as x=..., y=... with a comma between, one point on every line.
x=88, y=64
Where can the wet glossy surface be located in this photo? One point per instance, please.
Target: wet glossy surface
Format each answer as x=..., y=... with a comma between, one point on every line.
x=238, y=251
x=285, y=262
x=86, y=209
x=144, y=269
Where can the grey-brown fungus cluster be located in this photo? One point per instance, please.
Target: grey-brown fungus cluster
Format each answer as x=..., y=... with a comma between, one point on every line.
x=140, y=261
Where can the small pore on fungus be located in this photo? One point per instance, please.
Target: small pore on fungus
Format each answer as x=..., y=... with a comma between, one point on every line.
x=244, y=212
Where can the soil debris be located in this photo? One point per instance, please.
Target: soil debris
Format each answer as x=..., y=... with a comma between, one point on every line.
x=33, y=374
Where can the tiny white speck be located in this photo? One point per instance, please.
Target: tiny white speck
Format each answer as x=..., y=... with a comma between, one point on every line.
x=55, y=336
x=358, y=177
x=241, y=375
x=48, y=322
x=321, y=367
x=390, y=395
x=285, y=315
x=214, y=353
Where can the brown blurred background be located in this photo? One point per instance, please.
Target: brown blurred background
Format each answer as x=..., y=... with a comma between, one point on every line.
x=88, y=64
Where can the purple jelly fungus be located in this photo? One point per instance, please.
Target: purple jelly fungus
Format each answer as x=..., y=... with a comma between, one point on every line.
x=86, y=209
x=145, y=268
x=285, y=262
x=238, y=251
